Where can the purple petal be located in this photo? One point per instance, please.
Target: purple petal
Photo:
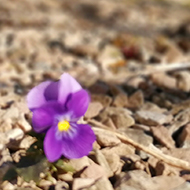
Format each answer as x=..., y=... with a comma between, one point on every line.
x=80, y=143
x=52, y=146
x=35, y=97
x=51, y=92
x=78, y=103
x=67, y=86
x=45, y=116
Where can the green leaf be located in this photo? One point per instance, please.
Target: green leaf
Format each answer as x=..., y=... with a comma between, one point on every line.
x=10, y=174
x=64, y=166
x=30, y=167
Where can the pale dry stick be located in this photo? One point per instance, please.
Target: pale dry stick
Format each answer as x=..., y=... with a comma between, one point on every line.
x=154, y=152
x=148, y=70
x=166, y=67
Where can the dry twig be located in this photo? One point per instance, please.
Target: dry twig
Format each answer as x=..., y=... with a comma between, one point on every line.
x=146, y=71
x=150, y=150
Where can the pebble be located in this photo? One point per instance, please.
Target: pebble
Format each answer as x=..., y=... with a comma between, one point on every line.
x=79, y=164
x=151, y=118
x=94, y=109
x=94, y=171
x=24, y=124
x=15, y=134
x=80, y=183
x=7, y=186
x=100, y=158
x=106, y=139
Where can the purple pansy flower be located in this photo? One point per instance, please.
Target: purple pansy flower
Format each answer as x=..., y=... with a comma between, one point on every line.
x=56, y=107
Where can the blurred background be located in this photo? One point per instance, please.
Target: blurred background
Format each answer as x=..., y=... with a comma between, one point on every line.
x=41, y=39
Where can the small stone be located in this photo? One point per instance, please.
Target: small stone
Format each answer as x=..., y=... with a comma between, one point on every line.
x=120, y=100
x=174, y=54
x=23, y=123
x=45, y=183
x=142, y=181
x=8, y=186
x=94, y=171
x=184, y=138
x=5, y=156
x=164, y=80
x=103, y=184
x=181, y=153
x=13, y=112
x=163, y=181
x=163, y=136
x=181, y=119
x=122, y=120
x=99, y=88
x=18, y=154
x=15, y=134
x=184, y=186
x=2, y=146
x=183, y=78
x=113, y=110
x=149, y=106
x=3, y=140
x=135, y=178
x=136, y=81
x=152, y=118
x=121, y=117
x=66, y=177
x=103, y=99
x=31, y=185
x=22, y=106
x=136, y=100
x=109, y=123
x=94, y=109
x=61, y=185
x=96, y=146
x=139, y=136
x=162, y=168
x=114, y=162
x=80, y=183
x=101, y=160
x=106, y=139
x=127, y=187
x=121, y=150
x=79, y=164
x=26, y=142
x=6, y=125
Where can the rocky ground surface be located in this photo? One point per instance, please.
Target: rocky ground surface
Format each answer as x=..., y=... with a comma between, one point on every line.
x=134, y=59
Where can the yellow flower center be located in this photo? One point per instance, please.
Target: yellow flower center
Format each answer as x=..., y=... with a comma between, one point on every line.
x=63, y=125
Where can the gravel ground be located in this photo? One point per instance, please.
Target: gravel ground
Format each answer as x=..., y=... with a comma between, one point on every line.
x=133, y=57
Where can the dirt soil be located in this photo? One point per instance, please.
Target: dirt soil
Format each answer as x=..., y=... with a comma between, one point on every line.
x=133, y=57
